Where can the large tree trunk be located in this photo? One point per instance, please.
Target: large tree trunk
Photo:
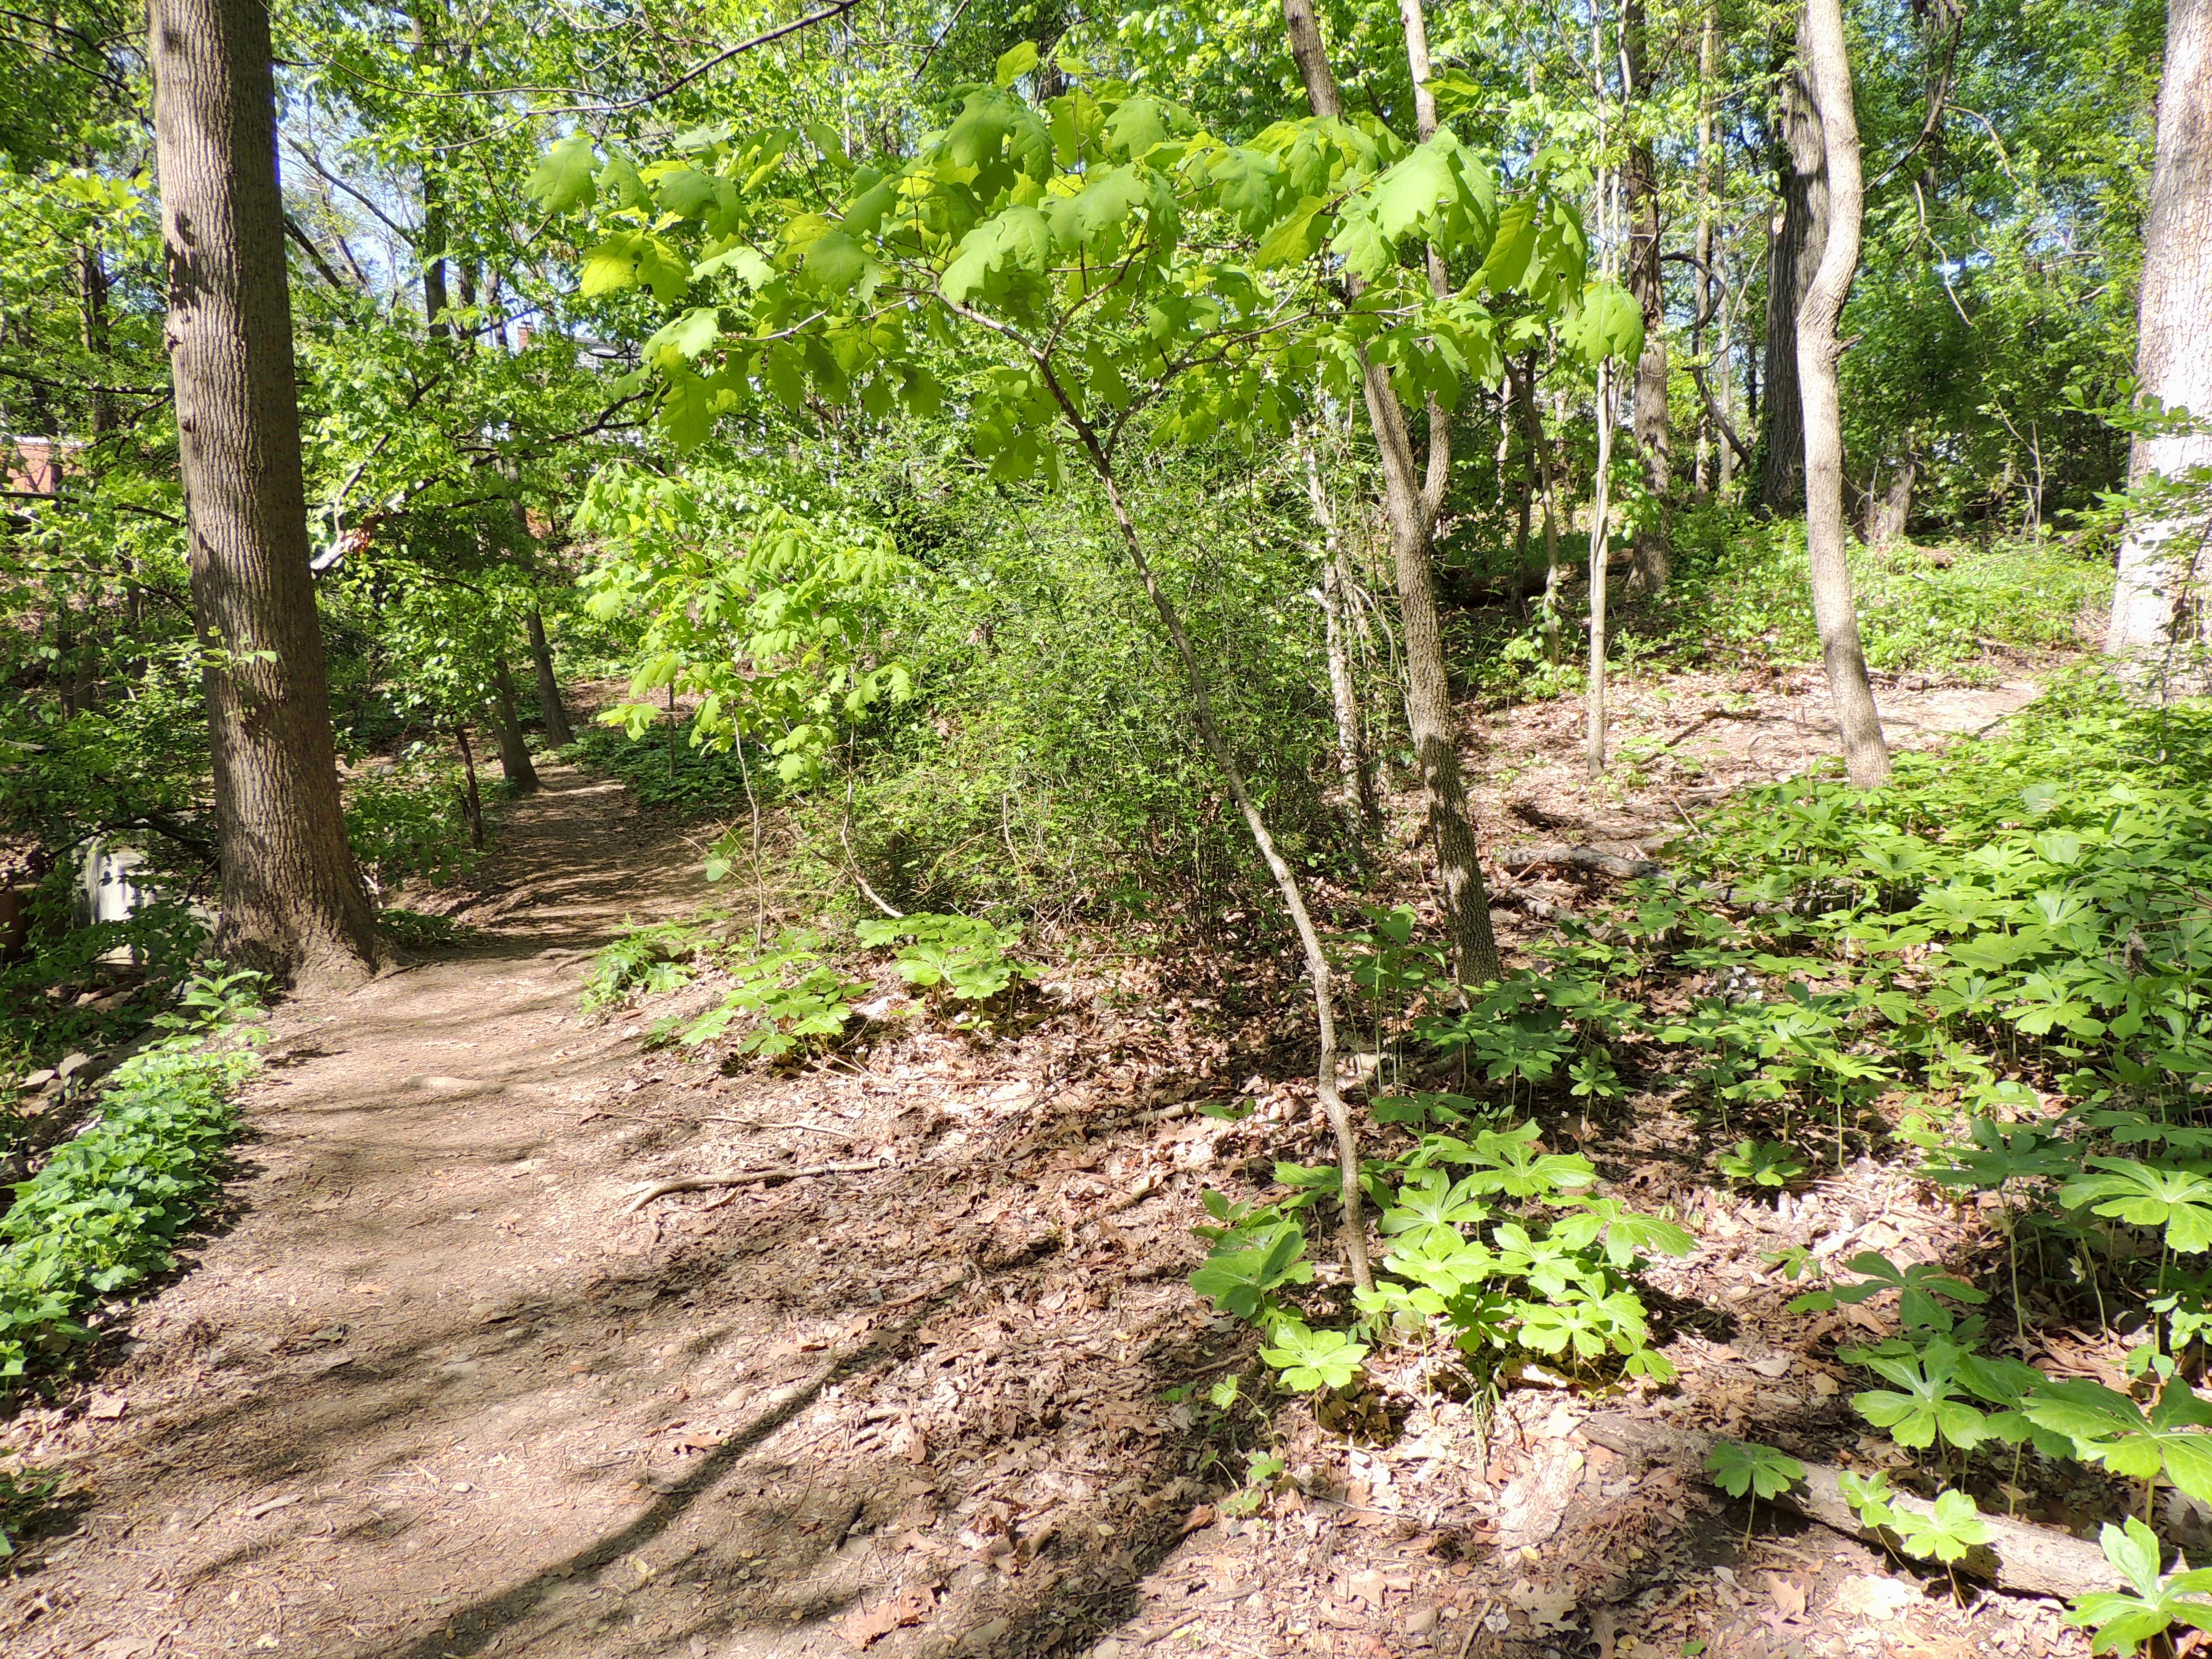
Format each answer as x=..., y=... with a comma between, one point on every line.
x=1793, y=255
x=549, y=706
x=1411, y=502
x=1821, y=50
x=2165, y=560
x=513, y=752
x=293, y=903
x=1654, y=442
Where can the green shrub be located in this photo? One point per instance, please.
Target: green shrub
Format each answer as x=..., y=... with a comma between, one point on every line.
x=406, y=818
x=103, y=1212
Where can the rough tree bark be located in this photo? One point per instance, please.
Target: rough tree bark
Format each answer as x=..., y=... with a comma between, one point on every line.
x=1821, y=51
x=1793, y=255
x=513, y=753
x=1654, y=442
x=558, y=732
x=293, y=903
x=2165, y=560
x=1412, y=499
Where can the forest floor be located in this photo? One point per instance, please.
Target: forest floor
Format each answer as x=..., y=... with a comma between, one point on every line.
x=438, y=1386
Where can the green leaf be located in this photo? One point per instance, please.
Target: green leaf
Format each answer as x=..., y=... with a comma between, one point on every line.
x=1016, y=62
x=1609, y=325
x=1310, y=1359
x=562, y=180
x=1946, y=1533
x=610, y=266
x=836, y=261
x=1739, y=1467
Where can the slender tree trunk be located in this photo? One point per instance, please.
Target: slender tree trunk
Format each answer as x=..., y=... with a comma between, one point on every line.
x=1794, y=254
x=1654, y=443
x=2165, y=558
x=293, y=903
x=472, y=796
x=513, y=752
x=1822, y=49
x=1325, y=1086
x=1539, y=452
x=1352, y=762
x=1601, y=511
x=1708, y=75
x=431, y=248
x=549, y=706
x=1412, y=503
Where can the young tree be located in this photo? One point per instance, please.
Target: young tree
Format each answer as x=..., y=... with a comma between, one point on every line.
x=1827, y=72
x=1793, y=256
x=292, y=903
x=1654, y=443
x=1412, y=494
x=2164, y=554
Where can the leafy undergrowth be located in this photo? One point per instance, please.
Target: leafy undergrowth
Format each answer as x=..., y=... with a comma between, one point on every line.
x=662, y=768
x=798, y=995
x=1738, y=589
x=1996, y=973
x=106, y=1208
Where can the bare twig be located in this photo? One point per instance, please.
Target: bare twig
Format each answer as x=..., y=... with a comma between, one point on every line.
x=744, y=1178
x=1707, y=718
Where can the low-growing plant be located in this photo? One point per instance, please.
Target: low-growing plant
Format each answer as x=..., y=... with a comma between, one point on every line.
x=2124, y=1621
x=786, y=1000
x=964, y=955
x=102, y=1213
x=646, y=960
x=23, y=1493
x=1745, y=1468
x=1761, y=1164
x=1493, y=1244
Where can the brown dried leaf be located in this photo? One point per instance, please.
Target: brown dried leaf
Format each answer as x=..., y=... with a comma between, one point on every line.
x=866, y=1624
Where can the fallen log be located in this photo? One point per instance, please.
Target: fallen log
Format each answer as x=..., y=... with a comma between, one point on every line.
x=2018, y=1556
x=1580, y=858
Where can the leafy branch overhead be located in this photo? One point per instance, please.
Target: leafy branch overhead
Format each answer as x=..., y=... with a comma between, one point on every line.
x=1098, y=253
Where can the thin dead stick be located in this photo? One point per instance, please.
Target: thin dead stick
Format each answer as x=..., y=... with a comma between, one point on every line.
x=743, y=1178
x=1707, y=719
x=764, y=1123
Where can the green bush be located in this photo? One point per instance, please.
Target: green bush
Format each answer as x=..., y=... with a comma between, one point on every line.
x=103, y=1212
x=1743, y=581
x=406, y=818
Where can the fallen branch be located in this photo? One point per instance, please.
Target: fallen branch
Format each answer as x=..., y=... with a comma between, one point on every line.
x=1515, y=898
x=1707, y=718
x=2019, y=1555
x=743, y=1178
x=1581, y=858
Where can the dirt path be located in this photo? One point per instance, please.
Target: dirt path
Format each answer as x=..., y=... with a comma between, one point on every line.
x=439, y=1392
x=436, y=1391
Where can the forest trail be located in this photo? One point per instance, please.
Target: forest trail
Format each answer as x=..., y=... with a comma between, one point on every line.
x=438, y=1391
x=434, y=1390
